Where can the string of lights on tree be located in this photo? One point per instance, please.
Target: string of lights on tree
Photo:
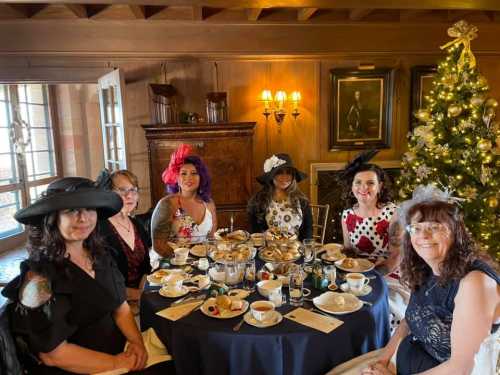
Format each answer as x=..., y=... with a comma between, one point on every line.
x=457, y=142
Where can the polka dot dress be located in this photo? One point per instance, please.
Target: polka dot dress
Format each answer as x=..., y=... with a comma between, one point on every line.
x=369, y=234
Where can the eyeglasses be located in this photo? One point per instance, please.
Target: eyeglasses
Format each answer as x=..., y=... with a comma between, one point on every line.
x=428, y=227
x=125, y=191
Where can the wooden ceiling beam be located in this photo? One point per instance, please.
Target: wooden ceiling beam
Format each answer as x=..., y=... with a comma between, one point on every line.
x=78, y=10
x=197, y=13
x=139, y=11
x=253, y=14
x=359, y=14
x=15, y=11
x=305, y=13
x=410, y=14
x=493, y=5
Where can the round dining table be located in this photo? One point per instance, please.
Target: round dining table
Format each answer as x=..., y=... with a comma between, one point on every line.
x=201, y=344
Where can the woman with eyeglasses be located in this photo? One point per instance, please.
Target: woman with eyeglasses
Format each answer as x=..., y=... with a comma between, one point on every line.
x=280, y=204
x=126, y=239
x=451, y=323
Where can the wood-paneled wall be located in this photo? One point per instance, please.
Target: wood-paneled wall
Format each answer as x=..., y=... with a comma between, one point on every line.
x=250, y=58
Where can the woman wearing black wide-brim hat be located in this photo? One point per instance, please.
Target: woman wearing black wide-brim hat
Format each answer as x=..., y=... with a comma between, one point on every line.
x=280, y=205
x=68, y=309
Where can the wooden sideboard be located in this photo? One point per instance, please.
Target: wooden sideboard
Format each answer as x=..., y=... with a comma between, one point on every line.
x=226, y=148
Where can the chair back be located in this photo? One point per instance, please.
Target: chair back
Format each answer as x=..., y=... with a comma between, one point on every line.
x=320, y=217
x=9, y=362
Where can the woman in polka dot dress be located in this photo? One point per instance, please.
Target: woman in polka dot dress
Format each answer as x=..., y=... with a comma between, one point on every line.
x=365, y=227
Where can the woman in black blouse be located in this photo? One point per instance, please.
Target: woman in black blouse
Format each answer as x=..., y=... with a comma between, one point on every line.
x=68, y=311
x=125, y=237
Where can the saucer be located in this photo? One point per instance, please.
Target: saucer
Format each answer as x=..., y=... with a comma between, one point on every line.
x=275, y=319
x=171, y=294
x=176, y=263
x=367, y=289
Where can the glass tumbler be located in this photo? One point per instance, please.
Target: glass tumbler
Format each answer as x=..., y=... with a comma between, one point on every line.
x=296, y=285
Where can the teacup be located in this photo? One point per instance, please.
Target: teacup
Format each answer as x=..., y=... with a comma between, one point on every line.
x=174, y=283
x=181, y=254
x=262, y=310
x=356, y=281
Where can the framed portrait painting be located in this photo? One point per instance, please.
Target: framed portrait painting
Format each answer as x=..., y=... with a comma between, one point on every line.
x=361, y=108
x=421, y=83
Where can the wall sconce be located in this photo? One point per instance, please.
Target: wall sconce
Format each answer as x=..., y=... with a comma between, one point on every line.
x=277, y=105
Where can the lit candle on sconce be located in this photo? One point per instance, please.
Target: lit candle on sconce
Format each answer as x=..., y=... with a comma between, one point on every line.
x=295, y=99
x=280, y=100
x=267, y=98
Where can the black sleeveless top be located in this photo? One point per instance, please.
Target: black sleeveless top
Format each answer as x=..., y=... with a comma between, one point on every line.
x=430, y=312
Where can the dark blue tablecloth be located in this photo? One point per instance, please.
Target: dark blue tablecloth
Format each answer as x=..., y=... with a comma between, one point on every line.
x=205, y=345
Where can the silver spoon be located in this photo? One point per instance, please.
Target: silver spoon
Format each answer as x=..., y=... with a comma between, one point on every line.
x=237, y=327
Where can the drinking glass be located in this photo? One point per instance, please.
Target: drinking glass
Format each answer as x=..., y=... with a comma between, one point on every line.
x=203, y=264
x=308, y=250
x=331, y=273
x=295, y=286
x=249, y=280
x=234, y=272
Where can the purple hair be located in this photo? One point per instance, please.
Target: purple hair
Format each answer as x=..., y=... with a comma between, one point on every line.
x=205, y=188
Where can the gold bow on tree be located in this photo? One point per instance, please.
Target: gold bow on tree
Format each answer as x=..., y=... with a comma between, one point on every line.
x=464, y=33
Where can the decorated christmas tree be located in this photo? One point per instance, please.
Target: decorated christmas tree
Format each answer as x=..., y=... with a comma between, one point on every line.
x=456, y=144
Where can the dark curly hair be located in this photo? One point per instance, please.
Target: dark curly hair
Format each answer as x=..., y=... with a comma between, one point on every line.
x=459, y=258
x=262, y=199
x=205, y=188
x=45, y=241
x=385, y=194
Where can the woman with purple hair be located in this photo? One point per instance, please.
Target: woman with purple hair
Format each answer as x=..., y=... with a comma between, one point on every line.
x=188, y=211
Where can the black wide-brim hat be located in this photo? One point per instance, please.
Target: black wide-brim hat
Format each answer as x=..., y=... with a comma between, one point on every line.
x=68, y=193
x=276, y=162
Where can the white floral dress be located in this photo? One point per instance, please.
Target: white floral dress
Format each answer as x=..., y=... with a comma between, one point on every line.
x=284, y=216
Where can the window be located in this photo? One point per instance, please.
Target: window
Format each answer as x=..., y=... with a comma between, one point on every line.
x=27, y=153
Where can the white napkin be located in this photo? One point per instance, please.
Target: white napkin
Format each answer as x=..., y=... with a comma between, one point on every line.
x=157, y=352
x=311, y=319
x=177, y=312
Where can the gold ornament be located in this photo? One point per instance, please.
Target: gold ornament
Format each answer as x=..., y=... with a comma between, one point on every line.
x=484, y=145
x=454, y=110
x=477, y=100
x=491, y=102
x=464, y=33
x=423, y=115
x=492, y=202
x=487, y=158
x=481, y=81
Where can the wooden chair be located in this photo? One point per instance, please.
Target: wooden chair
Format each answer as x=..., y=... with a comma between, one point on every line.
x=320, y=217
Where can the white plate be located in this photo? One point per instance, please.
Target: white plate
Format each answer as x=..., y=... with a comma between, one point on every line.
x=367, y=289
x=330, y=302
x=328, y=258
x=156, y=278
x=276, y=318
x=171, y=294
x=364, y=265
x=238, y=293
x=199, y=250
x=223, y=313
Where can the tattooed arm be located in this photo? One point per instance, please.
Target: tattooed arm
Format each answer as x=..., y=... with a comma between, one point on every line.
x=161, y=226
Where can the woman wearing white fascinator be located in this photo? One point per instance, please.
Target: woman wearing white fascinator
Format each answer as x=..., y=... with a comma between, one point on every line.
x=280, y=203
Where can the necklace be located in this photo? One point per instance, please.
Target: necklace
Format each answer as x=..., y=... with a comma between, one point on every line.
x=428, y=291
x=126, y=227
